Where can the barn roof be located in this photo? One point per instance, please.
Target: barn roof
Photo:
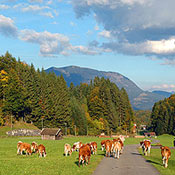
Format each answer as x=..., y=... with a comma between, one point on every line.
x=50, y=131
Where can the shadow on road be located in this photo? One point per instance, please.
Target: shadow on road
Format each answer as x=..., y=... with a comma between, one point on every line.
x=150, y=161
x=138, y=154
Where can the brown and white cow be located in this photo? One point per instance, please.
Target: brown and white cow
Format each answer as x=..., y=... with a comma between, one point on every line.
x=121, y=142
x=25, y=147
x=93, y=147
x=34, y=146
x=67, y=149
x=166, y=153
x=103, y=144
x=18, y=147
x=117, y=149
x=76, y=146
x=84, y=154
x=41, y=150
x=146, y=146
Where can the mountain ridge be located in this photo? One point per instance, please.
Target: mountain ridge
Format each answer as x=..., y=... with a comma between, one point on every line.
x=140, y=99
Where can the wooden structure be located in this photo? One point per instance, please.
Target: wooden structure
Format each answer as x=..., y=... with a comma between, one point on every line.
x=51, y=134
x=150, y=134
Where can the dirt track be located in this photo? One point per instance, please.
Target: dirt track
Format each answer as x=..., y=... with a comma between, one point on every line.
x=130, y=163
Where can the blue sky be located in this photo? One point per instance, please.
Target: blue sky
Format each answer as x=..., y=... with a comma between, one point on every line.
x=133, y=37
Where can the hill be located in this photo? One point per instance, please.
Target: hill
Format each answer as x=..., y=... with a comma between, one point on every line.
x=164, y=93
x=140, y=100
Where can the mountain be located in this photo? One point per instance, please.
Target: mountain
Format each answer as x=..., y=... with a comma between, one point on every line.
x=164, y=93
x=140, y=100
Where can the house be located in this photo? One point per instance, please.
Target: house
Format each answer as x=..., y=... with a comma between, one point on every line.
x=51, y=134
x=150, y=134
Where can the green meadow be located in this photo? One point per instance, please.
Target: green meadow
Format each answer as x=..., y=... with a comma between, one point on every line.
x=155, y=157
x=55, y=163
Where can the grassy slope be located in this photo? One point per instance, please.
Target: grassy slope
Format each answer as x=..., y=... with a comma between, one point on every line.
x=156, y=160
x=54, y=164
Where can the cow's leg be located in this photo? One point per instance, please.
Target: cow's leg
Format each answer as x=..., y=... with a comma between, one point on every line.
x=118, y=154
x=18, y=151
x=149, y=148
x=163, y=160
x=166, y=163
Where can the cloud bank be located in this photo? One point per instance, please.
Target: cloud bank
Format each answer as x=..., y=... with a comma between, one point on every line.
x=133, y=27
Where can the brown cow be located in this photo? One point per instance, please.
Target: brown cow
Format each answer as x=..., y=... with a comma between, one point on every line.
x=34, y=147
x=25, y=147
x=103, y=144
x=108, y=147
x=41, y=150
x=67, y=149
x=166, y=153
x=84, y=154
x=146, y=146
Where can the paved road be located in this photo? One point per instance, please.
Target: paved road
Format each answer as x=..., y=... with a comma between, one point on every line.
x=130, y=163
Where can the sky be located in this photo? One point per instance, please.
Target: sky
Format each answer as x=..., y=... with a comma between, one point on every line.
x=135, y=38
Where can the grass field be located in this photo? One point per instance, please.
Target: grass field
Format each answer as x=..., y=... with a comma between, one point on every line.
x=156, y=160
x=54, y=164
x=57, y=164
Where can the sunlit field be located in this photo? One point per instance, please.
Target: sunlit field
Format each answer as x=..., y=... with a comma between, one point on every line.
x=54, y=163
x=156, y=160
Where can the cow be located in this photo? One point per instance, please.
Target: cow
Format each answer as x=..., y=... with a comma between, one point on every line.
x=34, y=146
x=108, y=147
x=67, y=149
x=146, y=147
x=117, y=149
x=122, y=138
x=166, y=153
x=93, y=147
x=103, y=144
x=121, y=142
x=18, y=147
x=25, y=147
x=76, y=146
x=41, y=150
x=84, y=154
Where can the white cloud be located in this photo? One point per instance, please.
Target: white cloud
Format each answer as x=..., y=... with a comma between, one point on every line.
x=165, y=87
x=96, y=27
x=7, y=27
x=105, y=34
x=72, y=24
x=34, y=8
x=47, y=14
x=50, y=43
x=39, y=1
x=136, y=27
x=4, y=7
x=49, y=2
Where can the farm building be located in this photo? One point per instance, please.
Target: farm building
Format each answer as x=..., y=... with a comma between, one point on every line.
x=150, y=134
x=51, y=134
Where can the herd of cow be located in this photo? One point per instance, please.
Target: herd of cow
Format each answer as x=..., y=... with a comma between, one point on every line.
x=31, y=148
x=165, y=151
x=112, y=147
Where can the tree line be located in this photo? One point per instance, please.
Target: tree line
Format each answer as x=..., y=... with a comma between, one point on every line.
x=163, y=116
x=39, y=97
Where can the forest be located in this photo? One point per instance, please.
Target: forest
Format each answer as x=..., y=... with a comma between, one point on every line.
x=163, y=116
x=46, y=101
